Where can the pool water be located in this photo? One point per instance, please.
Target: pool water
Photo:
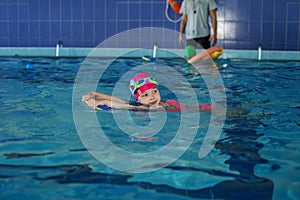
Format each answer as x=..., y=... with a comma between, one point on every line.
x=42, y=156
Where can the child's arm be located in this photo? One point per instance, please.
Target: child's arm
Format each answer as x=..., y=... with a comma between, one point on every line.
x=93, y=99
x=101, y=96
x=94, y=103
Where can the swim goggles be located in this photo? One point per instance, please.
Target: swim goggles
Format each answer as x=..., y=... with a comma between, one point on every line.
x=134, y=85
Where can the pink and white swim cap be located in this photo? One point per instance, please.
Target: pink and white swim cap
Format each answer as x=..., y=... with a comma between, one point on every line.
x=140, y=83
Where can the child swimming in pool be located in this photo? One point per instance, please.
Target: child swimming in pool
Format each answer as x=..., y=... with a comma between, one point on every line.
x=144, y=89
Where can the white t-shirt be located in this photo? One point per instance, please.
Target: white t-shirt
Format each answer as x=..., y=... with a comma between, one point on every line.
x=197, y=12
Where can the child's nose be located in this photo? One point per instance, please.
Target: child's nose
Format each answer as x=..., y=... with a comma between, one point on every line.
x=152, y=95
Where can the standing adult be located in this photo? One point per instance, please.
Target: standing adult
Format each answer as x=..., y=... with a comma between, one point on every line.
x=195, y=23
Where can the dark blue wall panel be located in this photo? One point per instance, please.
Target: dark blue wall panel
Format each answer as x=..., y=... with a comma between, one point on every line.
x=242, y=24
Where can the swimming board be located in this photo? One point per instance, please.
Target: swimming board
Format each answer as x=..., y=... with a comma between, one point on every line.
x=101, y=107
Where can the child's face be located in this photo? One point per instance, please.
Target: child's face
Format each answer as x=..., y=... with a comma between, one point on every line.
x=150, y=97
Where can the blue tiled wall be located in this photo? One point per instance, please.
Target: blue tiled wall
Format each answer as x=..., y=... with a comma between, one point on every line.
x=242, y=24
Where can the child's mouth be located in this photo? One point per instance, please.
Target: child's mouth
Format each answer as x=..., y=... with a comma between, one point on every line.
x=153, y=103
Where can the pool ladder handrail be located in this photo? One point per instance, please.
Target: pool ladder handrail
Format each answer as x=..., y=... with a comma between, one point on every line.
x=155, y=47
x=259, y=52
x=58, y=46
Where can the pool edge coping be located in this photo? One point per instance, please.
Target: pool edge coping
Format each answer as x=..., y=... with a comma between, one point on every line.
x=109, y=52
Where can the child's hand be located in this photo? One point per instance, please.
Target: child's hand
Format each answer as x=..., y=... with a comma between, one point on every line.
x=91, y=103
x=86, y=97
